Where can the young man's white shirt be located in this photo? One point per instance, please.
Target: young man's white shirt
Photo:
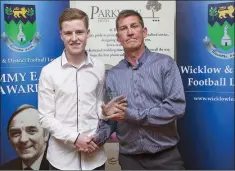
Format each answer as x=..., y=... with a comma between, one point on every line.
x=69, y=102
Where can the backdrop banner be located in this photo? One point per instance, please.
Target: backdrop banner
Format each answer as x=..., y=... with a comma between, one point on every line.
x=205, y=55
x=29, y=40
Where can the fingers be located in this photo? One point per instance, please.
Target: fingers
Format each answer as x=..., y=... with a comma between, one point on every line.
x=93, y=146
x=120, y=107
x=116, y=117
x=88, y=148
x=123, y=104
x=122, y=101
x=118, y=98
x=112, y=117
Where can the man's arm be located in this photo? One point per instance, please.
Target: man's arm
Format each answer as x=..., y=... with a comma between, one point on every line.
x=104, y=131
x=171, y=108
x=107, y=127
x=46, y=108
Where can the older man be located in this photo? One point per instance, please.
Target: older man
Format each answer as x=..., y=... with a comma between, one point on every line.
x=28, y=139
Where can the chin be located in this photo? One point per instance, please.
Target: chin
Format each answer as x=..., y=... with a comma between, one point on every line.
x=78, y=52
x=27, y=156
x=131, y=48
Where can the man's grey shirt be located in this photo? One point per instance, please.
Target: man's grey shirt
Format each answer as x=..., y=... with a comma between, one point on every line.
x=155, y=96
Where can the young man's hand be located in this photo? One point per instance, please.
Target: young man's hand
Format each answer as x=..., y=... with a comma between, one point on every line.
x=85, y=143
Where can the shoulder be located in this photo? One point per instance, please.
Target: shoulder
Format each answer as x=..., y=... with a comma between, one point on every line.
x=98, y=68
x=52, y=65
x=14, y=164
x=161, y=60
x=50, y=68
x=98, y=63
x=119, y=66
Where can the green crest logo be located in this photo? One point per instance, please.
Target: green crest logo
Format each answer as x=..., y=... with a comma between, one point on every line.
x=20, y=27
x=220, y=27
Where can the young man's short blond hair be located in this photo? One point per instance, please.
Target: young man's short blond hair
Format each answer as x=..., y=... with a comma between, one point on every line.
x=73, y=14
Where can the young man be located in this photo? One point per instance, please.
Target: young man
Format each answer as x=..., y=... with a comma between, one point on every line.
x=146, y=129
x=70, y=95
x=28, y=139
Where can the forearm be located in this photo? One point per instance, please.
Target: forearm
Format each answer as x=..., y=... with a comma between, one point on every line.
x=57, y=129
x=164, y=113
x=104, y=131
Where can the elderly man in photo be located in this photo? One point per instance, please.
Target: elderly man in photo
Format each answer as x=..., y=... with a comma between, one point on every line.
x=28, y=139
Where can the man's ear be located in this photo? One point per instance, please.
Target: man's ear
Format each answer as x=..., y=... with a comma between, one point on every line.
x=88, y=33
x=61, y=35
x=145, y=32
x=117, y=37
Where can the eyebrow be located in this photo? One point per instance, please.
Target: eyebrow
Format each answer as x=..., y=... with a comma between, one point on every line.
x=130, y=24
x=27, y=128
x=14, y=129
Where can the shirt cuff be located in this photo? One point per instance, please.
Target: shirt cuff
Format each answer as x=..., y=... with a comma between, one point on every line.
x=72, y=138
x=99, y=140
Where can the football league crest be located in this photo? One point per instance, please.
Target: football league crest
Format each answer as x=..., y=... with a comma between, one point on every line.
x=220, y=28
x=20, y=27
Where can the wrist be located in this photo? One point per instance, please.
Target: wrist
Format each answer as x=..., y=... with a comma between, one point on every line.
x=76, y=139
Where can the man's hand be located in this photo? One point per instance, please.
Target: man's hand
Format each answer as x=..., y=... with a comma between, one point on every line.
x=120, y=115
x=115, y=106
x=85, y=143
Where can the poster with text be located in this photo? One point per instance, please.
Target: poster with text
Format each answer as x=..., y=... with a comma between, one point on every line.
x=205, y=55
x=29, y=40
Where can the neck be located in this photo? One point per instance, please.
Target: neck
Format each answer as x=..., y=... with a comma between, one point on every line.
x=134, y=55
x=75, y=59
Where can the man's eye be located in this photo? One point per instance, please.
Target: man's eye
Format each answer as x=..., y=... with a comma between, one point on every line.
x=135, y=26
x=68, y=33
x=31, y=132
x=122, y=28
x=79, y=32
x=15, y=134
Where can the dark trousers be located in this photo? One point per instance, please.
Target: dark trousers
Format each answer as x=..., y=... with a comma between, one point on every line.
x=98, y=168
x=169, y=159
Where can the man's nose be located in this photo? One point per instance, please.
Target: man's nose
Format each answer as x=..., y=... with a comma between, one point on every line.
x=74, y=36
x=130, y=31
x=24, y=137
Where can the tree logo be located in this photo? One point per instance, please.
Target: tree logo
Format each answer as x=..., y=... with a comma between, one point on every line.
x=220, y=28
x=154, y=6
x=20, y=27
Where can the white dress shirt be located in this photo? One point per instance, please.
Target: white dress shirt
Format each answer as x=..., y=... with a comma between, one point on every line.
x=69, y=102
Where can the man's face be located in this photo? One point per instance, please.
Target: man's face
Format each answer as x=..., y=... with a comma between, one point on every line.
x=26, y=135
x=74, y=34
x=130, y=33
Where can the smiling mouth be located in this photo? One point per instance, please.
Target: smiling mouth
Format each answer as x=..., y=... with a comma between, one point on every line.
x=75, y=44
x=25, y=150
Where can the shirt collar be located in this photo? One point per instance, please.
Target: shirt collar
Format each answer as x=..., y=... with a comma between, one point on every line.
x=141, y=60
x=87, y=61
x=36, y=164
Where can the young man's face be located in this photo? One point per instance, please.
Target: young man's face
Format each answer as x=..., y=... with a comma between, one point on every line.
x=130, y=33
x=74, y=34
x=26, y=135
